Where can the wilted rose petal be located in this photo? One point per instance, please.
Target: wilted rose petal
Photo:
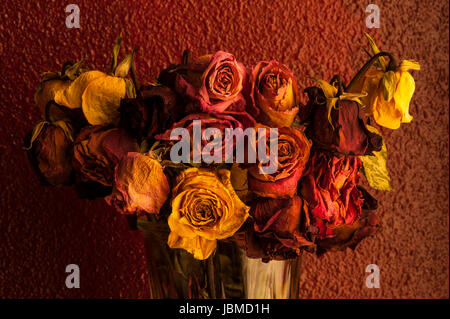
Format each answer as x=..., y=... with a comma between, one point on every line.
x=205, y=208
x=335, y=202
x=154, y=111
x=97, y=150
x=220, y=121
x=140, y=185
x=345, y=132
x=51, y=151
x=280, y=228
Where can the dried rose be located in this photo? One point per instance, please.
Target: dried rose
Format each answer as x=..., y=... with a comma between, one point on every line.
x=47, y=91
x=293, y=155
x=388, y=90
x=53, y=82
x=50, y=150
x=217, y=122
x=98, y=149
x=335, y=202
x=98, y=94
x=154, y=111
x=205, y=208
x=280, y=228
x=140, y=185
x=214, y=81
x=339, y=128
x=274, y=94
x=350, y=235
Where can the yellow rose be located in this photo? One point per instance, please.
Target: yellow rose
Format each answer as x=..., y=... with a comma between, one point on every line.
x=98, y=94
x=47, y=92
x=388, y=89
x=205, y=208
x=389, y=109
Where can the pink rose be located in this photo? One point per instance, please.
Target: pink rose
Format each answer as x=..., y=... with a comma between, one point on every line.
x=139, y=185
x=214, y=82
x=221, y=121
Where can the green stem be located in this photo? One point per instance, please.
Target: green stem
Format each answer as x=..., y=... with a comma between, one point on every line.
x=392, y=66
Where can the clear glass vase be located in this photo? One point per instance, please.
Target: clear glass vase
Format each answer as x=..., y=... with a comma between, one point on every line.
x=229, y=273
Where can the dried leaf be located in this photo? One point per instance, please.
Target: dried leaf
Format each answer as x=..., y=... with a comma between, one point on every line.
x=375, y=50
x=329, y=90
x=374, y=167
x=73, y=71
x=35, y=133
x=125, y=65
x=116, y=50
x=131, y=91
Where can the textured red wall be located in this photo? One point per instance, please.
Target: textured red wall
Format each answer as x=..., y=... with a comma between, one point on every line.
x=44, y=229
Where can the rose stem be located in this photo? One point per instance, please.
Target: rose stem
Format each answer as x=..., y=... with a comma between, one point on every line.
x=392, y=66
x=212, y=284
x=185, y=58
x=295, y=277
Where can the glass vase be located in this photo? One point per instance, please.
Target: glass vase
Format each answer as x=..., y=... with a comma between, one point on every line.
x=228, y=273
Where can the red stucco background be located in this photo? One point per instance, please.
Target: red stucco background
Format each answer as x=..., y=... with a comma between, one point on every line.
x=44, y=229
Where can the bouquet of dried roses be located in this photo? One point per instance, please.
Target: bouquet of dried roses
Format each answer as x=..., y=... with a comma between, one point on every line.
x=215, y=217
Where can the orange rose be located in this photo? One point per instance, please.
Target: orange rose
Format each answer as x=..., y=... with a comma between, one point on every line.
x=205, y=208
x=293, y=154
x=274, y=94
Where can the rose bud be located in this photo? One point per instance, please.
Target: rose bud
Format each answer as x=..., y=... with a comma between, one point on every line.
x=205, y=208
x=280, y=228
x=293, y=155
x=218, y=122
x=388, y=88
x=335, y=202
x=154, y=111
x=339, y=128
x=274, y=94
x=140, y=185
x=214, y=82
x=50, y=151
x=98, y=149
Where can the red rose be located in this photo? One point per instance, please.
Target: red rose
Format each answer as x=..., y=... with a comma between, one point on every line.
x=98, y=149
x=293, y=155
x=280, y=228
x=214, y=81
x=334, y=200
x=50, y=151
x=221, y=121
x=153, y=112
x=345, y=132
